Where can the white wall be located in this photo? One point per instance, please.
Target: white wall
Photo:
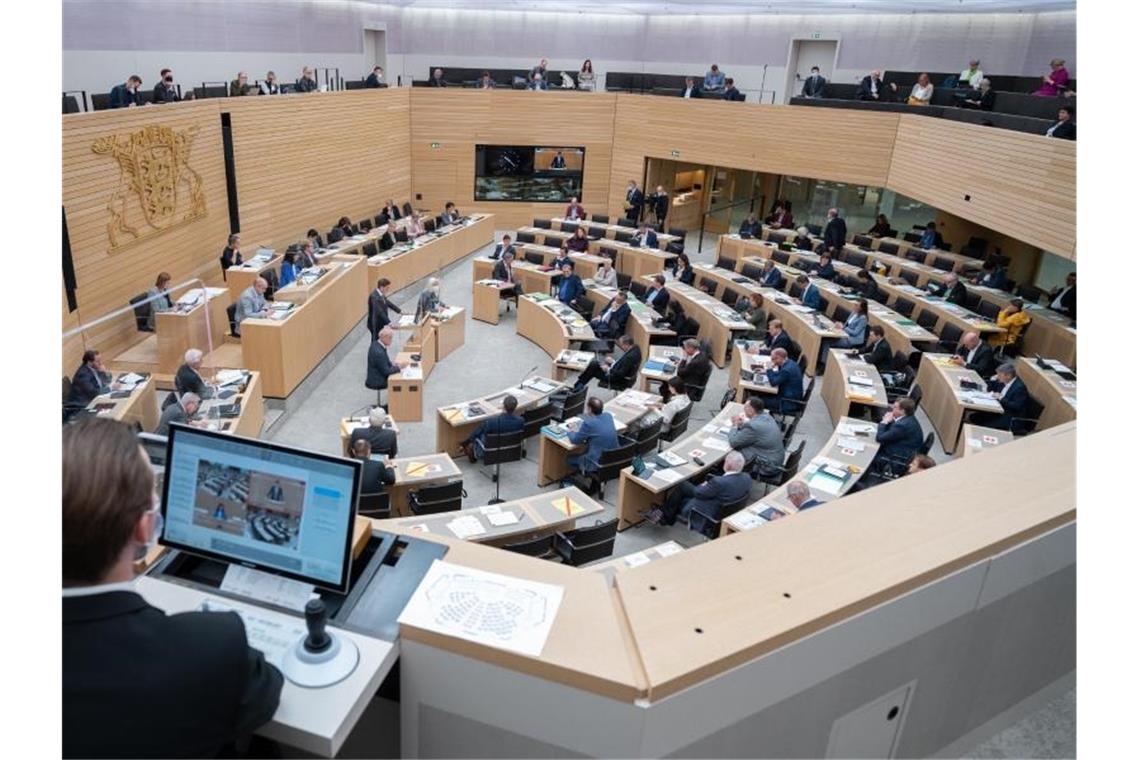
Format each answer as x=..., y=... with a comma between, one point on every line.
x=105, y=41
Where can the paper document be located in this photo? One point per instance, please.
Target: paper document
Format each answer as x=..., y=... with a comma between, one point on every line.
x=850, y=443
x=487, y=608
x=717, y=444
x=500, y=519
x=636, y=559
x=466, y=526
x=228, y=376
x=671, y=458
x=668, y=477
x=266, y=587
x=131, y=378
x=669, y=548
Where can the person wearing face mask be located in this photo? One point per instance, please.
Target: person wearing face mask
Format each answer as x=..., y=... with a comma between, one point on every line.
x=138, y=682
x=125, y=95
x=165, y=91
x=814, y=86
x=429, y=302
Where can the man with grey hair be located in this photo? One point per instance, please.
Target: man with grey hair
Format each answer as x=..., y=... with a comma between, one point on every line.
x=975, y=354
x=307, y=83
x=380, y=365
x=182, y=411
x=1009, y=390
x=251, y=303
x=429, y=302
x=758, y=438
x=835, y=233
x=188, y=378
x=702, y=505
x=694, y=368
x=800, y=496
x=381, y=438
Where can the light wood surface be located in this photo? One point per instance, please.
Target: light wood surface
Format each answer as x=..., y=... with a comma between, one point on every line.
x=531, y=278
x=349, y=424
x=718, y=322
x=942, y=396
x=1057, y=395
x=178, y=331
x=453, y=425
x=612, y=567
x=543, y=321
x=240, y=277
x=841, y=393
x=609, y=231
x=1050, y=333
x=963, y=318
x=976, y=439
x=746, y=357
x=141, y=406
x=640, y=325
x=416, y=472
x=252, y=415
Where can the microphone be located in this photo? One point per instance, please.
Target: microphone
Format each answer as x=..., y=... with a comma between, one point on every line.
x=524, y=377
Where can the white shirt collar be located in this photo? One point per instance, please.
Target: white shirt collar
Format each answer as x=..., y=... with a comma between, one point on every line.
x=103, y=588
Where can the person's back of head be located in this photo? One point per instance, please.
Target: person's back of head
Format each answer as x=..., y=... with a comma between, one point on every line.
x=510, y=403
x=377, y=417
x=798, y=492
x=733, y=462
x=626, y=342
x=906, y=404
x=594, y=405
x=361, y=448
x=754, y=404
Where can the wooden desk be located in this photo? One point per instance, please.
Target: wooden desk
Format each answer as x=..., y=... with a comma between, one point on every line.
x=1057, y=395
x=585, y=264
x=550, y=238
x=141, y=406
x=550, y=324
x=414, y=473
x=840, y=392
x=717, y=320
x=612, y=567
x=637, y=495
x=454, y=423
x=664, y=354
x=285, y=351
x=1049, y=334
x=350, y=424
x=241, y=277
x=178, y=330
x=901, y=333
x=406, y=391
x=302, y=289
x=944, y=400
x=636, y=261
x=529, y=277
x=541, y=514
x=249, y=420
x=736, y=248
x=485, y=297
x=975, y=439
x=746, y=357
x=964, y=319
x=836, y=452
x=640, y=325
x=420, y=340
x=626, y=408
x=610, y=230
x=570, y=361
x=450, y=330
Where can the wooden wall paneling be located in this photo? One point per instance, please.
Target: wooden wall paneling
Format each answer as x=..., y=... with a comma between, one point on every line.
x=306, y=160
x=460, y=119
x=1019, y=184
x=108, y=277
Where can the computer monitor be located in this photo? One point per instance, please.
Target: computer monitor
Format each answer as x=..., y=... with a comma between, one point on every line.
x=261, y=505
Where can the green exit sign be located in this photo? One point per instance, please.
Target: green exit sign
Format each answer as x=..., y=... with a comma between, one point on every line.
x=435, y=145
x=675, y=153
x=816, y=35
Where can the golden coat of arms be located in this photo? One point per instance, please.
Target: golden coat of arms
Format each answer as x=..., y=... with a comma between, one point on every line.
x=157, y=188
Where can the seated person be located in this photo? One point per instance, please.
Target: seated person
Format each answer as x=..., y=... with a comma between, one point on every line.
x=758, y=437
x=922, y=91
x=622, y=372
x=203, y=689
x=183, y=410
x=579, y=243
x=381, y=439
x=1010, y=392
x=695, y=366
x=683, y=269
x=306, y=257
x=450, y=213
x=878, y=353
x=770, y=276
x=881, y=227
x=611, y=321
x=415, y=226
x=90, y=380
x=503, y=247
x=1063, y=299
x=645, y=237
x=160, y=298
x=575, y=211
x=931, y=238
x=390, y=212
x=950, y=289
x=810, y=296
x=752, y=307
x=570, y=288
x=750, y=227
x=788, y=380
x=503, y=273
x=824, y=268
x=693, y=503
x=855, y=328
x=919, y=463
x=597, y=433
x=562, y=259
x=866, y=285
x=375, y=474
x=315, y=238
x=507, y=422
x=777, y=337
x=289, y=269
x=974, y=353
x=899, y=435
x=803, y=240
x=800, y=496
x=674, y=399
x=231, y=254
x=991, y=276
x=606, y=275
x=251, y=303
x=657, y=297
x=188, y=378
x=346, y=227
x=1014, y=319
x=983, y=100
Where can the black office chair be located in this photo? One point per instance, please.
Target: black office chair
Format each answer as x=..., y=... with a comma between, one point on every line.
x=624, y=221
x=524, y=237
x=611, y=462
x=909, y=276
x=708, y=285
x=725, y=262
x=563, y=407
x=534, y=419
x=542, y=224
x=647, y=436
x=676, y=247
x=679, y=232
x=796, y=290
x=364, y=225
x=435, y=499
x=1029, y=293
x=570, y=227
x=950, y=337
x=861, y=240
x=889, y=248
x=431, y=225
x=897, y=382
x=946, y=265
x=624, y=281
x=752, y=271
x=912, y=237
x=534, y=257
x=623, y=236
x=378, y=220
x=1020, y=426
x=368, y=250
x=401, y=235
x=841, y=313
x=711, y=527
x=618, y=383
x=729, y=297
x=499, y=448
x=676, y=428
x=143, y=311
x=988, y=310
x=578, y=547
x=904, y=306
x=857, y=259
x=406, y=209
x=782, y=257
x=541, y=547
x=916, y=255
x=927, y=319
x=972, y=301
x=696, y=388
x=600, y=218
x=927, y=444
x=375, y=505
x=787, y=471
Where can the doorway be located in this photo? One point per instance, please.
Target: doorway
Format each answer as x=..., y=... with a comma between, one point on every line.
x=802, y=56
x=376, y=52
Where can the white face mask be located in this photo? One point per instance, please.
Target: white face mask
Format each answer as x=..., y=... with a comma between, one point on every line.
x=155, y=534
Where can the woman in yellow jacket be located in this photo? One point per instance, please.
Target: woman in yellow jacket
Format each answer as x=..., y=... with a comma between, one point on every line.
x=1014, y=319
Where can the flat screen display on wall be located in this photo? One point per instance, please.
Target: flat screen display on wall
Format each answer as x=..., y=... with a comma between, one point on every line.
x=538, y=174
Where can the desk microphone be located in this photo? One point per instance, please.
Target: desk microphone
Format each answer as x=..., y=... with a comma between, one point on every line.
x=524, y=377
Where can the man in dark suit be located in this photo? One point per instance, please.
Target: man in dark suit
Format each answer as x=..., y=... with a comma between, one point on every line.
x=380, y=366
x=125, y=95
x=507, y=422
x=91, y=379
x=824, y=267
x=558, y=162
x=389, y=213
x=379, y=306
x=634, y=200
x=437, y=79
x=570, y=287
x=878, y=353
x=800, y=496
x=815, y=85
x=504, y=272
x=374, y=474
x=612, y=320
x=376, y=79
x=1011, y=393
x=788, y=380
x=1064, y=128
x=621, y=372
x=872, y=88
x=694, y=368
x=866, y=285
x=776, y=337
x=597, y=433
x=164, y=90
x=699, y=505
x=657, y=297
x=771, y=277
x=659, y=205
x=992, y=276
x=975, y=354
x=931, y=238
x=951, y=289
x=381, y=439
x=730, y=91
x=1064, y=299
x=138, y=682
x=188, y=378
x=809, y=296
x=899, y=435
x=503, y=247
x=835, y=233
x=645, y=237
x=750, y=227
x=690, y=90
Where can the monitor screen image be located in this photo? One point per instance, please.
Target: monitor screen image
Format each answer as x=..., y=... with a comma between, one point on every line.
x=249, y=502
x=549, y=174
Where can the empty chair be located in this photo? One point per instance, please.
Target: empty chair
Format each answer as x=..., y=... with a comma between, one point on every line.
x=909, y=276
x=638, y=289
x=752, y=271
x=612, y=461
x=841, y=314
x=916, y=254
x=143, y=312
x=676, y=247
x=626, y=222
x=927, y=319
x=623, y=236
x=541, y=547
x=725, y=262
x=378, y=220
x=857, y=259
x=534, y=257
x=988, y=310
x=904, y=306
x=401, y=236
x=945, y=264
x=364, y=225
x=625, y=281
x=600, y=218
x=434, y=499
x=524, y=237
x=927, y=444
x=972, y=300
x=707, y=284
x=912, y=237
x=534, y=419
x=782, y=257
x=577, y=547
x=499, y=448
x=375, y=505
x=568, y=226
x=891, y=248
x=570, y=405
x=542, y=224
x=796, y=290
x=431, y=225
x=950, y=336
x=729, y=297
x=679, y=232
x=861, y=240
x=368, y=250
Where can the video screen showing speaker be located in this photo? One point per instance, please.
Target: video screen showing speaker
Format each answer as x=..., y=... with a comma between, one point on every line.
x=538, y=174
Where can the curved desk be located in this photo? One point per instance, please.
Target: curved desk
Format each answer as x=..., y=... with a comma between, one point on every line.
x=551, y=324
x=530, y=277
x=641, y=324
x=718, y=322
x=455, y=422
x=137, y=404
x=609, y=231
x=945, y=401
x=964, y=319
x=850, y=381
x=1057, y=395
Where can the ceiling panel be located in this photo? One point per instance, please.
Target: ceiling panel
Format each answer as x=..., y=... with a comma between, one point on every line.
x=751, y=7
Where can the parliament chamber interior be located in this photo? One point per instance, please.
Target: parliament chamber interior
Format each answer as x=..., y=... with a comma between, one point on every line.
x=408, y=423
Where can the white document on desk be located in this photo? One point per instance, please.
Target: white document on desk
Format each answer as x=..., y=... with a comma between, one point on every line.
x=466, y=526
x=669, y=476
x=718, y=444
x=266, y=587
x=487, y=608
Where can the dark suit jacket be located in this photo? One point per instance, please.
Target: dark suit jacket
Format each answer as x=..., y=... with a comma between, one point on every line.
x=814, y=87
x=380, y=367
x=140, y=683
x=659, y=204
x=749, y=229
x=1016, y=398
x=373, y=82
x=375, y=475
x=788, y=380
x=774, y=279
x=1064, y=130
x=164, y=95
x=696, y=93
x=733, y=94
x=502, y=423
x=636, y=200
x=984, y=363
x=500, y=272
x=85, y=385
x=650, y=240
x=382, y=440
x=695, y=369
x=121, y=97
x=687, y=276
x=570, y=289
x=498, y=253
x=864, y=91
x=835, y=233
x=433, y=82
x=783, y=340
x=378, y=306
x=880, y=355
x=899, y=438
x=718, y=492
x=826, y=272
x=230, y=258
x=616, y=321
x=187, y=380
x=1068, y=301
x=390, y=214
x=659, y=302
x=957, y=294
x=867, y=288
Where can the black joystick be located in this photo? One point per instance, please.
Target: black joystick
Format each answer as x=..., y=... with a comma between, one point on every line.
x=316, y=617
